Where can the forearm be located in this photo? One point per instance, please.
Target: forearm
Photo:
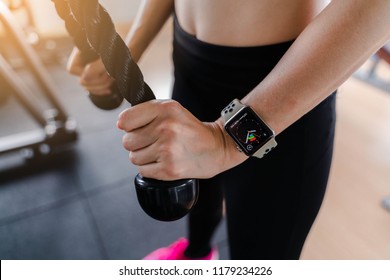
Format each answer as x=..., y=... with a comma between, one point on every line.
x=151, y=16
x=327, y=52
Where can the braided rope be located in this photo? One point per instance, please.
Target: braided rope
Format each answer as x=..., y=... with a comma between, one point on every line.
x=92, y=28
x=76, y=31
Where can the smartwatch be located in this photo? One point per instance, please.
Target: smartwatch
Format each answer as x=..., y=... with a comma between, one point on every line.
x=250, y=133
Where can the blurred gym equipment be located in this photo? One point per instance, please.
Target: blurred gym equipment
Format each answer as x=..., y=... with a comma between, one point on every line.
x=57, y=128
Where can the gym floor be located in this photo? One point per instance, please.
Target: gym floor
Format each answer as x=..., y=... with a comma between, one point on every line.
x=80, y=203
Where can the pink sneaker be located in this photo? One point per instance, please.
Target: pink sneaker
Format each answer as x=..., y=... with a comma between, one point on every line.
x=175, y=251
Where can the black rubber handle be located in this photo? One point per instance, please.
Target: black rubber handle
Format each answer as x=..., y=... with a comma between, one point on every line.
x=166, y=200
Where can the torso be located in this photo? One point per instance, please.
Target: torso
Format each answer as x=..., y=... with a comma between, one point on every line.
x=246, y=22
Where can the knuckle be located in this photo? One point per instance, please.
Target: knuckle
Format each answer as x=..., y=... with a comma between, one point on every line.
x=126, y=142
x=171, y=107
x=167, y=131
x=170, y=124
x=166, y=152
x=170, y=129
x=133, y=158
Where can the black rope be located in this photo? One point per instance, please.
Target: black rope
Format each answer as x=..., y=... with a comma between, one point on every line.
x=94, y=34
x=76, y=31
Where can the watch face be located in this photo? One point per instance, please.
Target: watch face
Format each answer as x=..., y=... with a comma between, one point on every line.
x=249, y=131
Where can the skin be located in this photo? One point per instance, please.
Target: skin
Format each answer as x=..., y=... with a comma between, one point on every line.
x=332, y=41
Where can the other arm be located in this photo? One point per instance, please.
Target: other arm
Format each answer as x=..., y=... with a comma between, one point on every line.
x=327, y=52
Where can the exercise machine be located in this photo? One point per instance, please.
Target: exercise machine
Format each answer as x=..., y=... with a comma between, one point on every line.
x=56, y=127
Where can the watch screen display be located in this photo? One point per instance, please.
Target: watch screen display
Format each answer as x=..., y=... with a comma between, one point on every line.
x=249, y=131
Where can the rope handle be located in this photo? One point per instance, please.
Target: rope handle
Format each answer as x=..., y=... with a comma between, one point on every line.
x=94, y=34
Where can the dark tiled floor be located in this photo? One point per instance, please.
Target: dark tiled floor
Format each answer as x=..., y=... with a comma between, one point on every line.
x=79, y=203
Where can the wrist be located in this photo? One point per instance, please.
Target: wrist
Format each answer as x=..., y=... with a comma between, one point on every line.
x=230, y=155
x=135, y=50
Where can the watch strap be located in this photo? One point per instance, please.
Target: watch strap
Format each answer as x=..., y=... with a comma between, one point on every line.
x=230, y=110
x=266, y=148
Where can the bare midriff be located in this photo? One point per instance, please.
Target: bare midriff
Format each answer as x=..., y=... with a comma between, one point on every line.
x=246, y=22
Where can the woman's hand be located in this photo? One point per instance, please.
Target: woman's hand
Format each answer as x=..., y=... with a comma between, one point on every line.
x=167, y=142
x=93, y=76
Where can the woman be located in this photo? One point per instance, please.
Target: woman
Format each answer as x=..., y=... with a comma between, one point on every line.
x=283, y=59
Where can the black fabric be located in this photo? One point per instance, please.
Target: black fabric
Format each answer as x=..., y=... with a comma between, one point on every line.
x=271, y=203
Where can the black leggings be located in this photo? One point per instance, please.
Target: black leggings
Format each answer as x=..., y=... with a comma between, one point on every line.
x=271, y=203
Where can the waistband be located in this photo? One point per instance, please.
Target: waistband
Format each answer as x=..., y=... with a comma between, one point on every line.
x=215, y=52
